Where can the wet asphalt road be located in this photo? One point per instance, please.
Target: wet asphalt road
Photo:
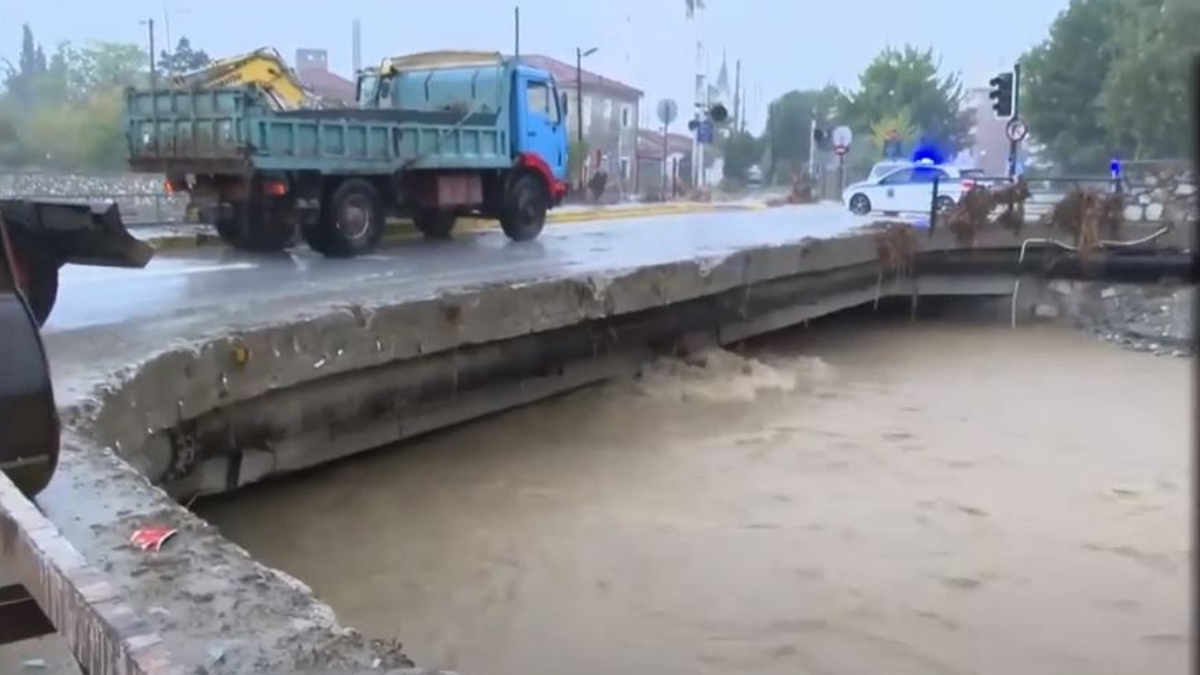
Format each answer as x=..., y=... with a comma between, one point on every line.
x=210, y=281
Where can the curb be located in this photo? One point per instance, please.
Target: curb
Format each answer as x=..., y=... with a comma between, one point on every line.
x=400, y=230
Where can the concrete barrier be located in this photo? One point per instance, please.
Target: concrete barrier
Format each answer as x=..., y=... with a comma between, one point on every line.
x=150, y=410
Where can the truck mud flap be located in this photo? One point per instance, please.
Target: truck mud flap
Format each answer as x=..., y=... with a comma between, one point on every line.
x=29, y=424
x=78, y=233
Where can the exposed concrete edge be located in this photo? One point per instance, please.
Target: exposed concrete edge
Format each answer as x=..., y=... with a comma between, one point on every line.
x=186, y=380
x=398, y=230
x=103, y=632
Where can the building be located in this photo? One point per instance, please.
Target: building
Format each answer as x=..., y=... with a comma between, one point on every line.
x=989, y=150
x=649, y=174
x=610, y=119
x=312, y=67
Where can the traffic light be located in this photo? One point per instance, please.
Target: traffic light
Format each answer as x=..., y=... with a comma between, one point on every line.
x=718, y=113
x=1002, y=94
x=819, y=135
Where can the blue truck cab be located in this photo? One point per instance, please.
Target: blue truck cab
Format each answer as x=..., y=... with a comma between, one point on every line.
x=432, y=136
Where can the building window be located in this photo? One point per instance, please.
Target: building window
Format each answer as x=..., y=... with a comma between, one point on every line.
x=625, y=168
x=566, y=102
x=608, y=109
x=626, y=117
x=587, y=113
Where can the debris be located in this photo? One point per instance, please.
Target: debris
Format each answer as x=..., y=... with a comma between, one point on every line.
x=151, y=538
x=34, y=664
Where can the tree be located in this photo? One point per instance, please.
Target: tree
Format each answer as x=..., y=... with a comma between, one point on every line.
x=788, y=136
x=907, y=83
x=1146, y=100
x=742, y=151
x=66, y=110
x=1063, y=81
x=183, y=59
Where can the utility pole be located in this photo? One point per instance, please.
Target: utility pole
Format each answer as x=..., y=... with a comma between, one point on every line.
x=149, y=23
x=696, y=12
x=517, y=32
x=579, y=54
x=737, y=95
x=1013, y=143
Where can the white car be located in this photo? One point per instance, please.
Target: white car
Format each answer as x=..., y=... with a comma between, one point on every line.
x=909, y=189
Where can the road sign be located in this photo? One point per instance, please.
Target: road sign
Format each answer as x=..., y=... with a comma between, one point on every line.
x=1016, y=130
x=704, y=132
x=842, y=137
x=667, y=111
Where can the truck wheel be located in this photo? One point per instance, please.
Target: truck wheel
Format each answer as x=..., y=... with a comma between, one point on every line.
x=525, y=205
x=435, y=224
x=267, y=236
x=353, y=221
x=37, y=274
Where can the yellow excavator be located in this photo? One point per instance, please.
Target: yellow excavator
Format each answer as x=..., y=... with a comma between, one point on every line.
x=264, y=68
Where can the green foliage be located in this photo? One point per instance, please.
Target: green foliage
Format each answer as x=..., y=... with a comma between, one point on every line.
x=788, y=136
x=65, y=111
x=742, y=151
x=906, y=83
x=1063, y=83
x=1146, y=100
x=183, y=59
x=1112, y=78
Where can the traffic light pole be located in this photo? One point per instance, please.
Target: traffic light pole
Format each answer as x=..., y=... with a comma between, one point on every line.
x=1013, y=144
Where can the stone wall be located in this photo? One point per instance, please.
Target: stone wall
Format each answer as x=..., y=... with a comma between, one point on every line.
x=140, y=196
x=1161, y=192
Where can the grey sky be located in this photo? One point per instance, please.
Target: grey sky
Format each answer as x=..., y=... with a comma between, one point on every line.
x=783, y=44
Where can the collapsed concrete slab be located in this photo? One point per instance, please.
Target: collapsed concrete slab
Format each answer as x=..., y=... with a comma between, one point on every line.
x=283, y=389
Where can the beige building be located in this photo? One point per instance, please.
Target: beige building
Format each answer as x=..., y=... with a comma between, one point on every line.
x=610, y=119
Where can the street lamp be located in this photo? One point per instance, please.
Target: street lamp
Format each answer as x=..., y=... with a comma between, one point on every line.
x=579, y=54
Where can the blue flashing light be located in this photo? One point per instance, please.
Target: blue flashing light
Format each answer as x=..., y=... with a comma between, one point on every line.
x=1114, y=167
x=927, y=153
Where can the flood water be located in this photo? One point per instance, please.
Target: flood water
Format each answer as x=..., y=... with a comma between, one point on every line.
x=862, y=496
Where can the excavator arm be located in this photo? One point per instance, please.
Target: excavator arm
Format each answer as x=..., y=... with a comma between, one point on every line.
x=263, y=67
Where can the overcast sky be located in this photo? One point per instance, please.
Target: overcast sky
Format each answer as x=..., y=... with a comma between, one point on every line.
x=783, y=44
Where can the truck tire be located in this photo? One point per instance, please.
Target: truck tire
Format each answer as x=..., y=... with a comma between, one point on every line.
x=525, y=206
x=37, y=274
x=267, y=236
x=353, y=220
x=435, y=224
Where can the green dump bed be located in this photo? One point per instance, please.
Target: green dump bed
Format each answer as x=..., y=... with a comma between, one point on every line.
x=460, y=123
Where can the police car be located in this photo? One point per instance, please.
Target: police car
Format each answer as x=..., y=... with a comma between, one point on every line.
x=908, y=188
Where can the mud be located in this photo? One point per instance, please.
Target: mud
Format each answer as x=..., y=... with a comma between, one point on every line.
x=863, y=496
x=213, y=605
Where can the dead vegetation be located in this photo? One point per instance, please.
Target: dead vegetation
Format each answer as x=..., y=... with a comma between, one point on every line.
x=1088, y=216
x=973, y=213
x=896, y=244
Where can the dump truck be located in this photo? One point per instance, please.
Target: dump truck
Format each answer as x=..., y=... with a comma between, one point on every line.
x=432, y=137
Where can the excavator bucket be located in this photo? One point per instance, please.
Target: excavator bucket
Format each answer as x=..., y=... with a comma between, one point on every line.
x=42, y=236
x=77, y=233
x=29, y=424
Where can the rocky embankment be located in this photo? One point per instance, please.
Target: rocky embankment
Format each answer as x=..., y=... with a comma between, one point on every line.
x=1158, y=319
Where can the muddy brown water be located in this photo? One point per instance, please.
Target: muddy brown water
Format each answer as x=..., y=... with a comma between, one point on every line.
x=861, y=496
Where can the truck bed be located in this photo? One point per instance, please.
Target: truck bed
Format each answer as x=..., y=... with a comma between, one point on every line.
x=232, y=130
